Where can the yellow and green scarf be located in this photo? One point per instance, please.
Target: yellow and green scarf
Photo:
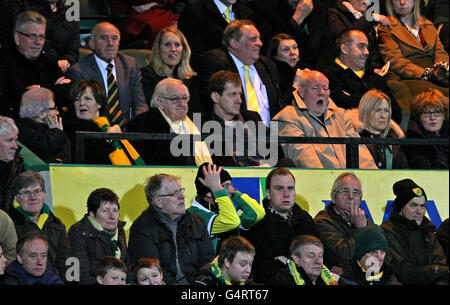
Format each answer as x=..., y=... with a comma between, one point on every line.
x=119, y=156
x=45, y=212
x=112, y=240
x=326, y=275
x=218, y=273
x=371, y=278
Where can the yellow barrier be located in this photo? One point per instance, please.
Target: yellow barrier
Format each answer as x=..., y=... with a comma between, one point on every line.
x=71, y=186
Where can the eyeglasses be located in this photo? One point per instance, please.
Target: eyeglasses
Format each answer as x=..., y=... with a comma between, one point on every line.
x=428, y=114
x=28, y=193
x=346, y=192
x=33, y=36
x=227, y=185
x=176, y=99
x=177, y=193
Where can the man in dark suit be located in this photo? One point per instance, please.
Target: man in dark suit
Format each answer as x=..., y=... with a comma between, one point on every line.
x=241, y=50
x=105, y=40
x=204, y=21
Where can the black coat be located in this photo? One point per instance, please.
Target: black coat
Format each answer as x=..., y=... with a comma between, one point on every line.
x=8, y=171
x=346, y=88
x=58, y=241
x=96, y=151
x=150, y=237
x=89, y=245
x=155, y=152
x=340, y=19
x=275, y=16
x=50, y=144
x=203, y=24
x=222, y=160
x=21, y=73
x=352, y=274
x=272, y=237
x=426, y=156
x=284, y=278
x=219, y=59
x=378, y=151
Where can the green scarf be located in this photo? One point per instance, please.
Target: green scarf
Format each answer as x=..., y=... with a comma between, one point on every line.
x=118, y=156
x=112, y=240
x=45, y=212
x=326, y=275
x=218, y=273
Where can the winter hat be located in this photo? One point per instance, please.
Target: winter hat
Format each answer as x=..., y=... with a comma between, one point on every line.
x=203, y=190
x=405, y=190
x=368, y=239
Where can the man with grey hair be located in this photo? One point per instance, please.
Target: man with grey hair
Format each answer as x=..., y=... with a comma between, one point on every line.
x=119, y=74
x=168, y=114
x=314, y=114
x=26, y=65
x=337, y=223
x=178, y=238
x=11, y=163
x=240, y=53
x=41, y=128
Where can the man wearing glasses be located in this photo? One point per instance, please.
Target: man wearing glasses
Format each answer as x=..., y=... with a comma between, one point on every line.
x=337, y=224
x=178, y=238
x=168, y=114
x=215, y=193
x=26, y=66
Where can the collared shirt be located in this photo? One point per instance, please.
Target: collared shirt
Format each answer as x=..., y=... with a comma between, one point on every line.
x=360, y=73
x=260, y=89
x=222, y=8
x=102, y=66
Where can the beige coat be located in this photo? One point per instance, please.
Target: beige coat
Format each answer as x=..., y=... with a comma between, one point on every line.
x=407, y=56
x=295, y=121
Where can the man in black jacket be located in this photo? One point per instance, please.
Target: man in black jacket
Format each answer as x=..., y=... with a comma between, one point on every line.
x=284, y=221
x=178, y=238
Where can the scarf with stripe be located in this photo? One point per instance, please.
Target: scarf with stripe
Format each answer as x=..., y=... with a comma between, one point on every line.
x=218, y=273
x=113, y=240
x=326, y=275
x=124, y=150
x=45, y=212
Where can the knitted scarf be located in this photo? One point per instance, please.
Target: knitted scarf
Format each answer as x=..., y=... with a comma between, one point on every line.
x=123, y=147
x=218, y=273
x=326, y=275
x=45, y=212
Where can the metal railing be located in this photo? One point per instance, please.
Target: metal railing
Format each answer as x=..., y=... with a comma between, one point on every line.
x=352, y=153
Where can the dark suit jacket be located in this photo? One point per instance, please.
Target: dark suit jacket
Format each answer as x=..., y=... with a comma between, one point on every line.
x=155, y=152
x=131, y=95
x=346, y=88
x=203, y=24
x=220, y=59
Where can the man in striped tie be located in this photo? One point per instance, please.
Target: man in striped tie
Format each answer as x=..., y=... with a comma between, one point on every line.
x=118, y=73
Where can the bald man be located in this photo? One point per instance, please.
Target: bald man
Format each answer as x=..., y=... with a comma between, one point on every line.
x=105, y=41
x=314, y=114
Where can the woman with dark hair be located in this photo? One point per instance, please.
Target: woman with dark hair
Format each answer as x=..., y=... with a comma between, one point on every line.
x=170, y=57
x=89, y=101
x=98, y=234
x=429, y=120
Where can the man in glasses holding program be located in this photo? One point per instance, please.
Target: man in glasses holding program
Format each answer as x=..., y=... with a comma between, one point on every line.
x=337, y=224
x=178, y=238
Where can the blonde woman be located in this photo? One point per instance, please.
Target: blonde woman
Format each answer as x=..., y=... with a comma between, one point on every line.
x=170, y=57
x=417, y=57
x=375, y=113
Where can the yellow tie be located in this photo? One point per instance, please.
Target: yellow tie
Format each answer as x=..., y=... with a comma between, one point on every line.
x=252, y=101
x=227, y=14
